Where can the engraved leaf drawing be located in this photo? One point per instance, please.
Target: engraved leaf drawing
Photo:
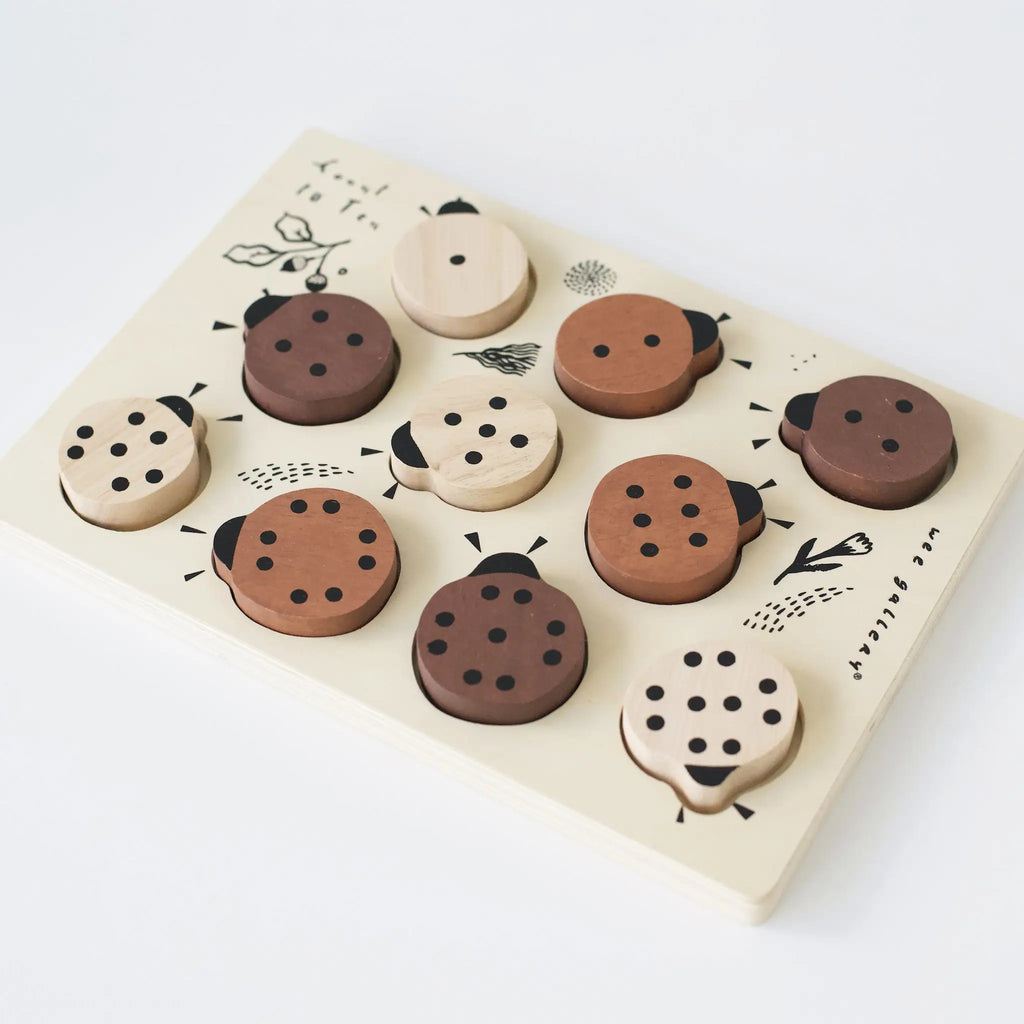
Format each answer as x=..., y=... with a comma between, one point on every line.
x=254, y=255
x=293, y=228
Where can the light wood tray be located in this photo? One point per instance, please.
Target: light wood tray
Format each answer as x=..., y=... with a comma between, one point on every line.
x=569, y=768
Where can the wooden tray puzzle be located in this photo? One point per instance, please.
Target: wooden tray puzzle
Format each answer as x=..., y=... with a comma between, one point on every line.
x=333, y=208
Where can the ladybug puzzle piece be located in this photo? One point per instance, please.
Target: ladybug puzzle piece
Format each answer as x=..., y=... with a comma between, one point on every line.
x=501, y=646
x=130, y=463
x=874, y=441
x=669, y=529
x=477, y=444
x=312, y=359
x=461, y=274
x=634, y=355
x=711, y=721
x=314, y=562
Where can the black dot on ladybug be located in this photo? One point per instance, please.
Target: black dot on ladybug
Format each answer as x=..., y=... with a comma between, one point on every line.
x=648, y=550
x=682, y=481
x=437, y=647
x=698, y=540
x=497, y=635
x=157, y=437
x=487, y=430
x=731, y=746
x=498, y=402
x=135, y=418
x=457, y=260
x=690, y=511
x=331, y=506
x=767, y=686
x=333, y=593
x=697, y=745
x=453, y=419
x=853, y=416
x=119, y=483
x=298, y=506
x=318, y=369
x=474, y=458
x=444, y=619
x=284, y=345
x=299, y=596
x=552, y=657
x=520, y=440
x=118, y=449
x=655, y=693
x=556, y=627
x=263, y=563
x=367, y=536
x=772, y=717
x=692, y=658
x=732, y=703
x=652, y=341
x=904, y=406
x=490, y=592
x=522, y=596
x=641, y=519
x=355, y=339
x=367, y=561
x=505, y=682
x=268, y=537
x=696, y=704
x=471, y=676
x=655, y=722
x=154, y=476
x=634, y=491
x=76, y=451
x=601, y=351
x=320, y=316
x=84, y=432
x=726, y=658
x=889, y=445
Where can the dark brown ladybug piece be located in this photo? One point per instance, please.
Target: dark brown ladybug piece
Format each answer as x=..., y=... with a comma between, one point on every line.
x=874, y=441
x=501, y=646
x=317, y=358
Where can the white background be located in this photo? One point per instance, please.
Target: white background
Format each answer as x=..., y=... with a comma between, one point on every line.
x=179, y=842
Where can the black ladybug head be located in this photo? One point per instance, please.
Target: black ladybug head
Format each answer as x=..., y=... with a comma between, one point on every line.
x=704, y=329
x=263, y=307
x=458, y=206
x=181, y=407
x=507, y=561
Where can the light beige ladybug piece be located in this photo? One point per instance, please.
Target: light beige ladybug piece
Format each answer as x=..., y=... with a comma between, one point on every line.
x=477, y=444
x=461, y=274
x=712, y=721
x=130, y=463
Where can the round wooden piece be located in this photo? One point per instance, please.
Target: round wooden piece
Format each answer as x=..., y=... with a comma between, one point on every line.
x=317, y=358
x=668, y=529
x=634, y=355
x=315, y=562
x=461, y=275
x=711, y=720
x=130, y=463
x=874, y=441
x=477, y=443
x=501, y=646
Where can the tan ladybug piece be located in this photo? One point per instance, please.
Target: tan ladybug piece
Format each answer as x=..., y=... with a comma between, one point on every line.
x=461, y=274
x=711, y=720
x=129, y=463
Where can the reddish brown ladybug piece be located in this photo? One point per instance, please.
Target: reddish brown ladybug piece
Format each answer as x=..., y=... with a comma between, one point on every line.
x=317, y=358
x=634, y=355
x=316, y=562
x=501, y=646
x=874, y=441
x=668, y=529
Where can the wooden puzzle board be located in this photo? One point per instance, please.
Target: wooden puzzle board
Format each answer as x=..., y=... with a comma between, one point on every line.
x=848, y=634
